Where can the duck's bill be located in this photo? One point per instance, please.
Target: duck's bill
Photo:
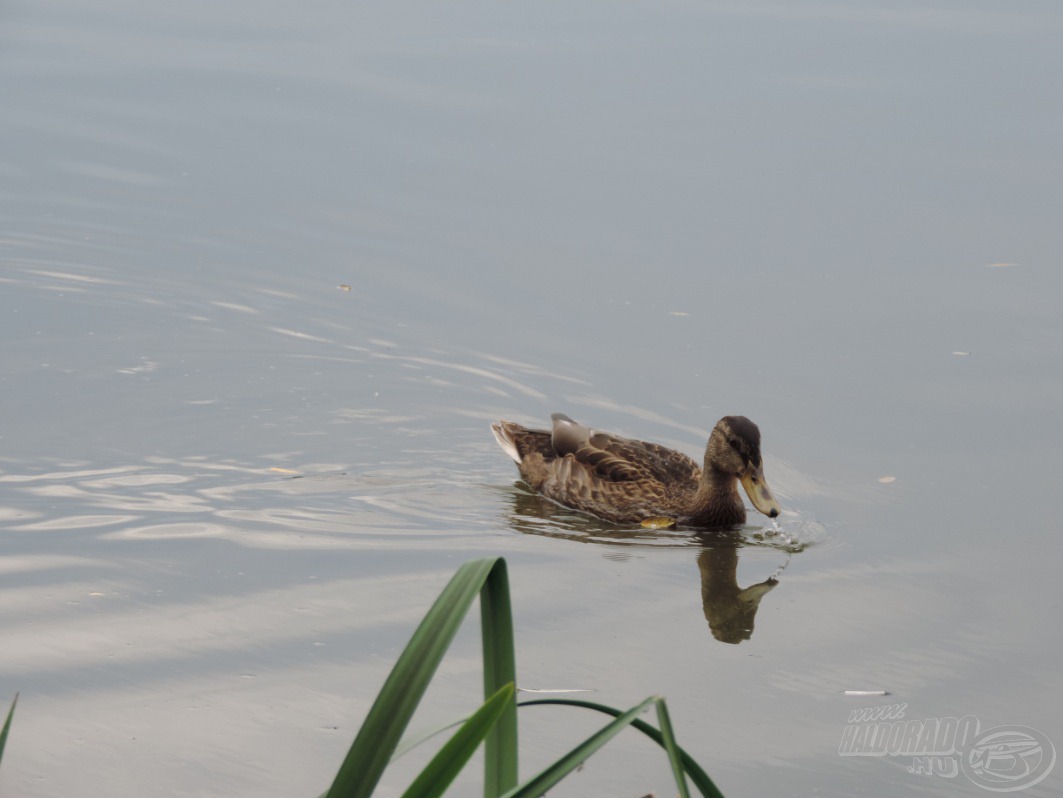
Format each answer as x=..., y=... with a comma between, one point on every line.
x=754, y=593
x=759, y=493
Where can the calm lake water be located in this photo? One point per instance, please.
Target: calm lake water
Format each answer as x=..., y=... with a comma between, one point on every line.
x=268, y=272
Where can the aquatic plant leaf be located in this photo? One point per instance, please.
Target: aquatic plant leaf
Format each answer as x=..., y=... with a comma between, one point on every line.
x=500, y=668
x=551, y=775
x=414, y=740
x=668, y=735
x=451, y=758
x=696, y=773
x=7, y=725
x=409, y=678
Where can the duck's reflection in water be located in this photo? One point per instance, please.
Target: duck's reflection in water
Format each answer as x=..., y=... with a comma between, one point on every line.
x=729, y=608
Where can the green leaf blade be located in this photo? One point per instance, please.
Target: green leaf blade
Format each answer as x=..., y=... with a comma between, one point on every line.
x=551, y=775
x=670, y=745
x=500, y=668
x=697, y=774
x=445, y=766
x=406, y=684
x=7, y=726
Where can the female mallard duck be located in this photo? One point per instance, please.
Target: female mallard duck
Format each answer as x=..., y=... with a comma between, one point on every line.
x=624, y=480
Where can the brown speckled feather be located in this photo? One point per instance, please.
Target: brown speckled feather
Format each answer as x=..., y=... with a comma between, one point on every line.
x=625, y=480
x=615, y=478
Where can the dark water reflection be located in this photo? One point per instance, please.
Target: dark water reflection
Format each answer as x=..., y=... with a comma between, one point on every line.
x=729, y=609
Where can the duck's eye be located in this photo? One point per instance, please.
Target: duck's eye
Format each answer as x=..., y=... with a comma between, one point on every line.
x=733, y=442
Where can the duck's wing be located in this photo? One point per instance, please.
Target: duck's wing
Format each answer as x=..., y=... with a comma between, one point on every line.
x=612, y=458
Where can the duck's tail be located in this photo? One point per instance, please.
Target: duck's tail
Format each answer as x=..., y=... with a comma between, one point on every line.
x=509, y=446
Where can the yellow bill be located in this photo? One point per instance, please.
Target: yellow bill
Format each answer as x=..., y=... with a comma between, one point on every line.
x=759, y=493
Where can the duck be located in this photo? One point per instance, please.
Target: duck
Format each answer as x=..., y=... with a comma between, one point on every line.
x=622, y=480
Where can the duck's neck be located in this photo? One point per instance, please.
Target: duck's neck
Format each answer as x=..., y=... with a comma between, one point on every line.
x=717, y=503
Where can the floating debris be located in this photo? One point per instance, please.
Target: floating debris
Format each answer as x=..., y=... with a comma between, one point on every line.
x=344, y=287
x=276, y=470
x=866, y=692
x=1000, y=265
x=678, y=313
x=962, y=354
x=887, y=480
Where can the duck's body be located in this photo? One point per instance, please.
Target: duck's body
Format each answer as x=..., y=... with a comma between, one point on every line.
x=628, y=481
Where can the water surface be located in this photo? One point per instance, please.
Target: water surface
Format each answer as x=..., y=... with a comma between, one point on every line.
x=267, y=274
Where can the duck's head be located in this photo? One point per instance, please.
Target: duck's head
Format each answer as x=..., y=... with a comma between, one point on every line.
x=734, y=449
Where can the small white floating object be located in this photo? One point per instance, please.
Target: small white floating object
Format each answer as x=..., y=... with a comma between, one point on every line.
x=1001, y=265
x=866, y=692
x=887, y=480
x=962, y=354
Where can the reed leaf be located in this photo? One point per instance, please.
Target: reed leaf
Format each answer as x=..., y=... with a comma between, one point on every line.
x=697, y=775
x=418, y=738
x=409, y=678
x=500, y=668
x=670, y=745
x=445, y=766
x=551, y=775
x=500, y=756
x=7, y=725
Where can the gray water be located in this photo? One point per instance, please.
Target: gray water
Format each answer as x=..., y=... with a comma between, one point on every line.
x=268, y=272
